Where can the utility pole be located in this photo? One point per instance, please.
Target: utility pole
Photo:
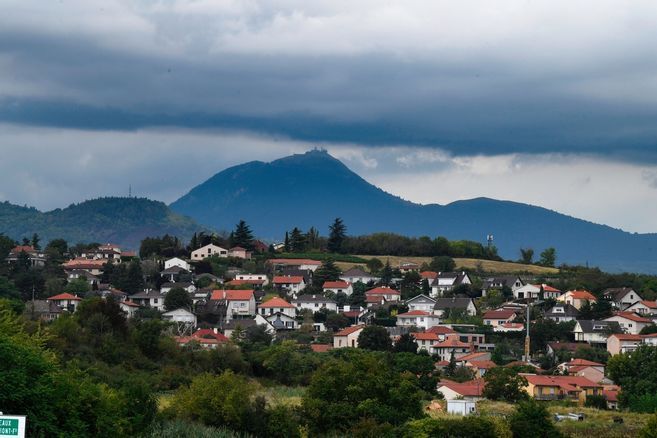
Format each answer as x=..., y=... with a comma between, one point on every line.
x=527, y=336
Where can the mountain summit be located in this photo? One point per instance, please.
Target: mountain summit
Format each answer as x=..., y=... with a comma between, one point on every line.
x=314, y=188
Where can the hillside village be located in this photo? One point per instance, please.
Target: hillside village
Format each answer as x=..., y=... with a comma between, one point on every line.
x=473, y=326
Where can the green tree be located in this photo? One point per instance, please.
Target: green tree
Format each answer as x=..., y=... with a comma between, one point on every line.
x=386, y=273
x=374, y=337
x=636, y=374
x=286, y=245
x=35, y=241
x=548, y=257
x=242, y=236
x=374, y=265
x=336, y=321
x=134, y=278
x=405, y=344
x=297, y=240
x=526, y=255
x=337, y=235
x=312, y=239
x=504, y=384
x=8, y=289
x=442, y=264
x=532, y=419
x=328, y=271
x=78, y=286
x=650, y=429
x=177, y=298
x=357, y=298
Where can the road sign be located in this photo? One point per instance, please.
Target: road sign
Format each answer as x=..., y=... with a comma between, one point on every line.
x=12, y=426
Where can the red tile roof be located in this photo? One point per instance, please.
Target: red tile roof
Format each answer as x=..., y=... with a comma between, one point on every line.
x=649, y=304
x=482, y=364
x=473, y=356
x=276, y=302
x=633, y=317
x=429, y=275
x=450, y=343
x=440, y=330
x=626, y=337
x=499, y=314
x=584, y=362
x=568, y=383
x=349, y=330
x=293, y=262
x=610, y=395
x=245, y=282
x=335, y=285
x=547, y=288
x=382, y=290
x=130, y=303
x=320, y=348
x=82, y=263
x=582, y=295
x=414, y=313
x=22, y=248
x=374, y=298
x=64, y=296
x=425, y=336
x=210, y=334
x=473, y=388
x=232, y=295
x=288, y=279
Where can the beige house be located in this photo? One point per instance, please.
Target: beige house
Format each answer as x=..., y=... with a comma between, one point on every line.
x=347, y=337
x=577, y=298
x=209, y=251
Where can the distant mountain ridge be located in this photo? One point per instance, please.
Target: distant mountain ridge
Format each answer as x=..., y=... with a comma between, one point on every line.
x=123, y=221
x=312, y=189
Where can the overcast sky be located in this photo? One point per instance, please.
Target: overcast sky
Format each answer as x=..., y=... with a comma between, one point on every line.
x=552, y=103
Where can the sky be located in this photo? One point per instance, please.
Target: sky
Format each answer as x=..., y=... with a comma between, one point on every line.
x=551, y=103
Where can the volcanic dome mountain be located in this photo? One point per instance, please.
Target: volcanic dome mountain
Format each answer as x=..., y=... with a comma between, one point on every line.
x=312, y=189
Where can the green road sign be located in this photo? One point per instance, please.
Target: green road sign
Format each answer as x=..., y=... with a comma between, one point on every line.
x=12, y=426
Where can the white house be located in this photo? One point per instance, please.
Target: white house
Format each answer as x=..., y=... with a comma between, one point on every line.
x=338, y=287
x=577, y=298
x=425, y=340
x=177, y=262
x=499, y=283
x=389, y=294
x=630, y=322
x=355, y=275
x=209, y=251
x=282, y=321
x=444, y=306
x=562, y=312
x=347, y=337
x=595, y=332
x=645, y=308
x=181, y=316
x=494, y=318
x=150, y=298
x=314, y=303
x=188, y=287
x=65, y=301
x=239, y=303
x=533, y=292
x=445, y=349
x=259, y=278
x=275, y=305
x=417, y=318
x=292, y=284
x=621, y=297
x=446, y=281
x=422, y=303
x=461, y=407
x=129, y=308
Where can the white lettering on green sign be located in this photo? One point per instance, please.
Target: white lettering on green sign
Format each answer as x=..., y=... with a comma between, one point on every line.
x=8, y=426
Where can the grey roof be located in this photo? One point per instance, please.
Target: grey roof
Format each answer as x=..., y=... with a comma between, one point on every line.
x=182, y=284
x=588, y=325
x=569, y=310
x=505, y=280
x=356, y=272
x=452, y=303
x=313, y=299
x=175, y=270
x=457, y=276
x=617, y=293
x=147, y=294
x=42, y=306
x=421, y=297
x=243, y=323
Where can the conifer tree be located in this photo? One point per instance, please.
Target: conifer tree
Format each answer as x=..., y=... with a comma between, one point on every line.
x=338, y=232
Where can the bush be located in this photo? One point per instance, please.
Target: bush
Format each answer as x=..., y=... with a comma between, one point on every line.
x=532, y=419
x=465, y=427
x=596, y=401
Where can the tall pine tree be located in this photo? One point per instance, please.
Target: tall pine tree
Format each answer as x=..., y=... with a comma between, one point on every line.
x=337, y=234
x=242, y=236
x=297, y=240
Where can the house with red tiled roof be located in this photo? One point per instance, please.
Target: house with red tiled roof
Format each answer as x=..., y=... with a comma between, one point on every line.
x=314, y=303
x=389, y=294
x=338, y=287
x=425, y=340
x=290, y=284
x=471, y=390
x=347, y=337
x=276, y=305
x=594, y=371
x=446, y=348
x=577, y=298
x=495, y=318
x=623, y=343
x=417, y=318
x=239, y=252
x=480, y=367
x=630, y=322
x=65, y=301
x=644, y=308
x=544, y=387
x=239, y=303
x=205, y=338
x=129, y=308
x=35, y=257
x=428, y=275
x=94, y=267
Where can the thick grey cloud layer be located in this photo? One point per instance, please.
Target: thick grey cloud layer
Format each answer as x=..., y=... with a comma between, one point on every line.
x=468, y=77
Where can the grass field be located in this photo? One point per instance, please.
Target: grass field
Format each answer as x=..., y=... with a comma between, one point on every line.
x=461, y=263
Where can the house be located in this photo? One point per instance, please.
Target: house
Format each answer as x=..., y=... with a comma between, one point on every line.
x=461, y=407
x=471, y=390
x=385, y=292
x=347, y=337
x=446, y=281
x=75, y=274
x=243, y=324
x=94, y=267
x=239, y=303
x=337, y=287
x=301, y=264
x=277, y=305
x=239, y=252
x=129, y=308
x=176, y=261
x=536, y=291
x=577, y=298
x=498, y=317
x=446, y=348
x=282, y=321
x=621, y=297
x=425, y=340
x=181, y=316
x=595, y=332
x=479, y=366
x=65, y=301
x=186, y=286
x=314, y=303
x=422, y=303
x=43, y=309
x=644, y=308
x=406, y=267
x=553, y=348
x=176, y=273
x=209, y=250
x=257, y=279
x=623, y=343
x=417, y=318
x=630, y=322
x=562, y=313
x=107, y=252
x=444, y=306
x=575, y=388
x=355, y=275
x=205, y=338
x=430, y=276
x=292, y=285
x=593, y=371
x=507, y=327
x=500, y=283
x=35, y=257
x=150, y=298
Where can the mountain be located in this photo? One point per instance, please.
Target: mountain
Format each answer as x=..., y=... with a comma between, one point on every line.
x=123, y=221
x=314, y=188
